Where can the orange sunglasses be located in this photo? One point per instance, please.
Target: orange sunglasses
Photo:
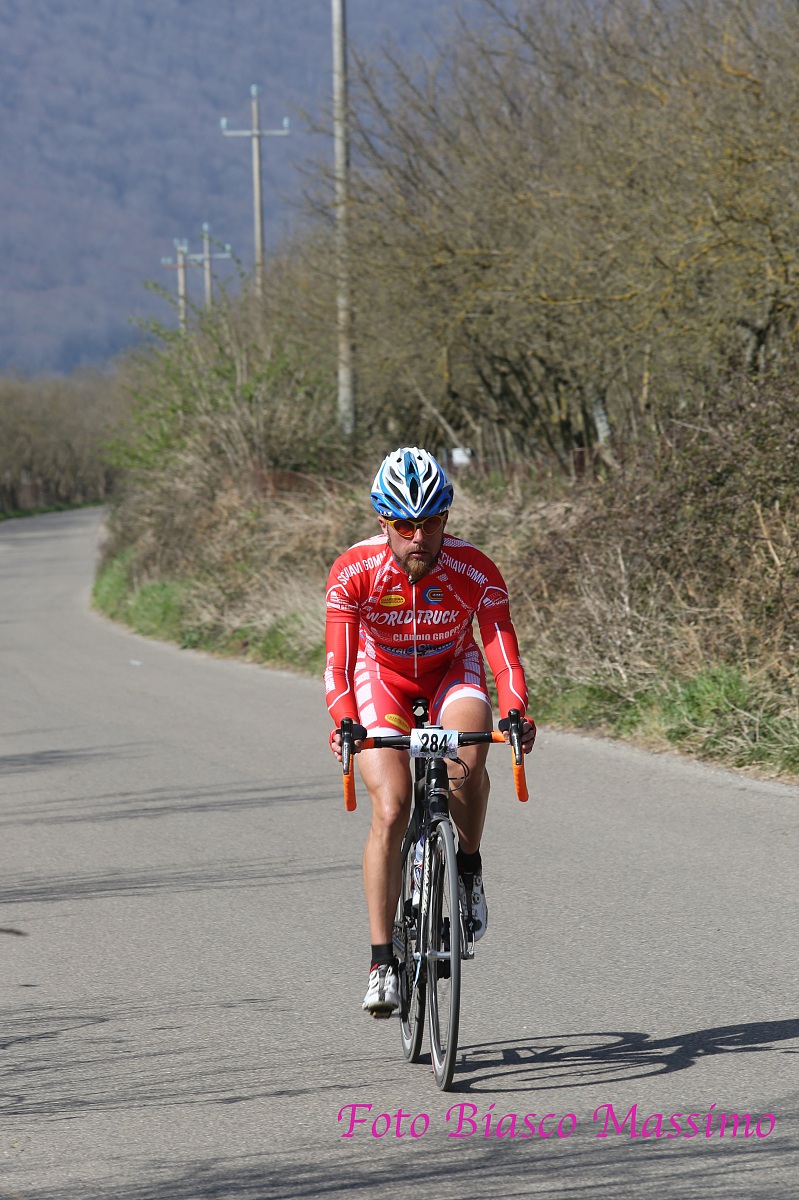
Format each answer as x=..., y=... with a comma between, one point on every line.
x=406, y=529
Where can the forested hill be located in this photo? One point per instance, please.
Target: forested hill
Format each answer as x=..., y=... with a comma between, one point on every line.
x=110, y=147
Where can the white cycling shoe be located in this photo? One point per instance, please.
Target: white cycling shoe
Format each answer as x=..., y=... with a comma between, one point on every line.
x=382, y=994
x=473, y=905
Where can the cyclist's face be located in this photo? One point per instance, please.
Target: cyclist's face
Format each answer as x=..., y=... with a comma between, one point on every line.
x=417, y=555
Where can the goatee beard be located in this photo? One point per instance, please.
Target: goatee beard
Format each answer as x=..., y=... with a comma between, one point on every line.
x=417, y=570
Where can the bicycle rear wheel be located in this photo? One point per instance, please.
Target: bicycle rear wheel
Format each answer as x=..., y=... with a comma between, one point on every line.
x=411, y=981
x=444, y=956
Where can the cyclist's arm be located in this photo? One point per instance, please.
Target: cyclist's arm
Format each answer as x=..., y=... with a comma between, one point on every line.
x=502, y=651
x=499, y=639
x=341, y=644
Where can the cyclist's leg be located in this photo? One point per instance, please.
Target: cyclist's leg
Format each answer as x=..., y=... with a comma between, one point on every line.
x=387, y=776
x=462, y=703
x=384, y=708
x=469, y=803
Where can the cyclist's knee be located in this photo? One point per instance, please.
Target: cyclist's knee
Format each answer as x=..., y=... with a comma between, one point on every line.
x=390, y=812
x=475, y=788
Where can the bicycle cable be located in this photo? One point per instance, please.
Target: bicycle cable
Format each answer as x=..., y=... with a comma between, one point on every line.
x=456, y=784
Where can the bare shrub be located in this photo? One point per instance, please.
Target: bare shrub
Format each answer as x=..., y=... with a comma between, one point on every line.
x=685, y=559
x=224, y=419
x=53, y=438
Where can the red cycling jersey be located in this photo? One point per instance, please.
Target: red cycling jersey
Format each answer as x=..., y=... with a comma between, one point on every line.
x=416, y=630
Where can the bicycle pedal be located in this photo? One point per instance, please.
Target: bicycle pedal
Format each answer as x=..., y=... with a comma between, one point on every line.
x=381, y=1014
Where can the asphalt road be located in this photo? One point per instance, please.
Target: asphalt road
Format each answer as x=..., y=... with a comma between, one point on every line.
x=181, y=1019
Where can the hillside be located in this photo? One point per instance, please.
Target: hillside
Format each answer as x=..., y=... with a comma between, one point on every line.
x=110, y=148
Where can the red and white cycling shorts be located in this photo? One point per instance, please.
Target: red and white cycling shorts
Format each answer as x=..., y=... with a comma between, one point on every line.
x=385, y=697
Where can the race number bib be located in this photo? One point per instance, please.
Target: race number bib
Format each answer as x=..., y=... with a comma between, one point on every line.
x=434, y=743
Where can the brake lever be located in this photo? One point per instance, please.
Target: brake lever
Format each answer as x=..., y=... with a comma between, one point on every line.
x=515, y=734
x=347, y=748
x=347, y=744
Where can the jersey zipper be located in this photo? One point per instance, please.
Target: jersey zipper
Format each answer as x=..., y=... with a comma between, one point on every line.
x=415, y=656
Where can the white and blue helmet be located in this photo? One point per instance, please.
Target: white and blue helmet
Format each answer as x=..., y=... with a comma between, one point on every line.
x=411, y=484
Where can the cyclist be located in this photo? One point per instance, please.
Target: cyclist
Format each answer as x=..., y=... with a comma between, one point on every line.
x=399, y=626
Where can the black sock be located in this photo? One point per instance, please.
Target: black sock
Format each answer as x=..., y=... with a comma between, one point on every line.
x=382, y=955
x=469, y=864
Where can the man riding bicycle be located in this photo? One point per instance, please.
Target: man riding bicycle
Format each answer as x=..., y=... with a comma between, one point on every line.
x=399, y=627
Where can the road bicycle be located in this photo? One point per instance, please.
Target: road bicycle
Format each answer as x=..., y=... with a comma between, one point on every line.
x=432, y=936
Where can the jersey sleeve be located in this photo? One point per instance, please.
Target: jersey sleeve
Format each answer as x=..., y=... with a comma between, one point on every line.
x=500, y=643
x=341, y=644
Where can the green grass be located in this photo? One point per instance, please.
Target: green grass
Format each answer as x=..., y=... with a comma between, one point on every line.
x=111, y=590
x=589, y=706
x=281, y=645
x=162, y=610
x=706, y=705
x=718, y=714
x=14, y=514
x=156, y=610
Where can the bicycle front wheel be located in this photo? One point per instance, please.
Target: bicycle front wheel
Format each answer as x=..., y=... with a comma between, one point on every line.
x=411, y=980
x=443, y=956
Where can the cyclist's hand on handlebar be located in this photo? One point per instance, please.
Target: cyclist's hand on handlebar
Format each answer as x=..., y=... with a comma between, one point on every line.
x=358, y=732
x=528, y=732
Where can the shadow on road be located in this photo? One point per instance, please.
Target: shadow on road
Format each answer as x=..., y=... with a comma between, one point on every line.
x=41, y=760
x=199, y=877
x=576, y=1059
x=61, y=1064
x=539, y=1065
x=147, y=803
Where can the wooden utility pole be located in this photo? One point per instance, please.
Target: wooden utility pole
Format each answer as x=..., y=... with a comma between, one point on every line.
x=255, y=134
x=346, y=387
x=179, y=263
x=204, y=260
